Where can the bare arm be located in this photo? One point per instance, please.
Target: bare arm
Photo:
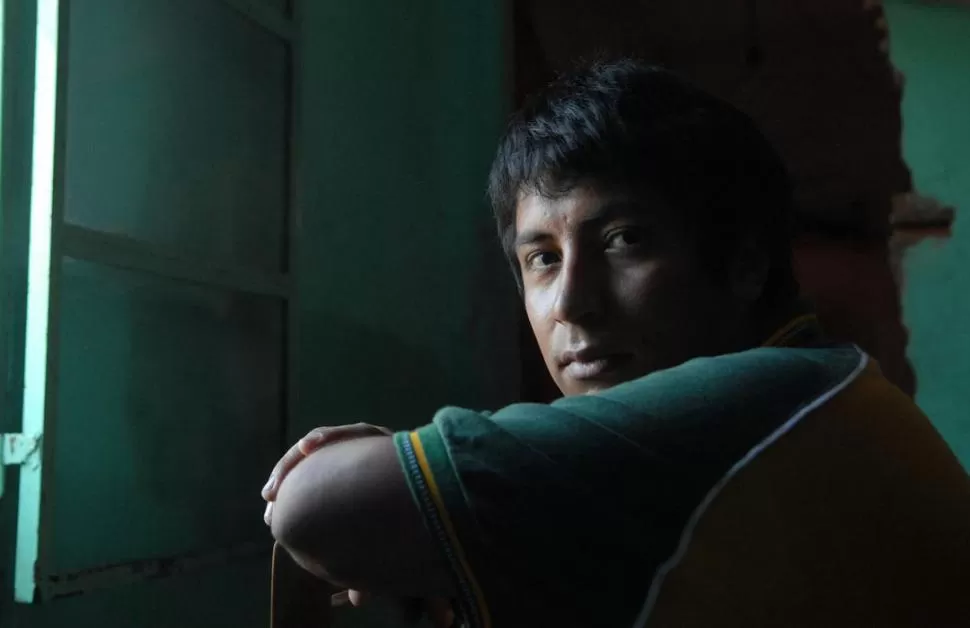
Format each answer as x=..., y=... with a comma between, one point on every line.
x=345, y=513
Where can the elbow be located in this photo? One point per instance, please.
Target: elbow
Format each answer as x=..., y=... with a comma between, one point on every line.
x=301, y=512
x=285, y=530
x=302, y=523
x=308, y=550
x=285, y=523
x=345, y=514
x=281, y=527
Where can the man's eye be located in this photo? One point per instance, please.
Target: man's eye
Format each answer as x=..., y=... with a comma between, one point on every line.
x=541, y=260
x=622, y=239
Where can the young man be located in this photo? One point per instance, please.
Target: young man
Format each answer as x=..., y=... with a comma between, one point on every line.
x=714, y=461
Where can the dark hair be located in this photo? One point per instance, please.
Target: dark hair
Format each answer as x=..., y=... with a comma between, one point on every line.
x=643, y=129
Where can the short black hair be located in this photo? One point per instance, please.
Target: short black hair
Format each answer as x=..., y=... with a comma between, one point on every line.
x=623, y=124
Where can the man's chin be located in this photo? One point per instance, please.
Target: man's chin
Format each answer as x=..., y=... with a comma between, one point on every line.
x=608, y=380
x=593, y=386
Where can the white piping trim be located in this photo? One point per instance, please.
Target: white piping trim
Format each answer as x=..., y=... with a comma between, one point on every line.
x=695, y=517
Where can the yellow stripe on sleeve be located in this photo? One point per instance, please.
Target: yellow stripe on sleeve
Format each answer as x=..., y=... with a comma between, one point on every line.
x=449, y=528
x=779, y=337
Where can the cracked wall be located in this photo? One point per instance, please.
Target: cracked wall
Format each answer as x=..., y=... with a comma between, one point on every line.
x=930, y=46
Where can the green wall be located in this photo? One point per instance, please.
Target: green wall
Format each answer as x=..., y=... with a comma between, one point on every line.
x=930, y=45
x=405, y=303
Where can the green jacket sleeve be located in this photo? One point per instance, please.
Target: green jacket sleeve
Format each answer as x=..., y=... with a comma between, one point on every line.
x=531, y=507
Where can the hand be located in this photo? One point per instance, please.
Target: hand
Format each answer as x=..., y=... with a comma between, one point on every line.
x=316, y=439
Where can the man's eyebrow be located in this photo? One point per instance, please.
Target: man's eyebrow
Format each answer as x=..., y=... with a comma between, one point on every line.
x=614, y=209
x=531, y=236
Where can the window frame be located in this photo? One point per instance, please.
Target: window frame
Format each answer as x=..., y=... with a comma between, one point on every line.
x=51, y=240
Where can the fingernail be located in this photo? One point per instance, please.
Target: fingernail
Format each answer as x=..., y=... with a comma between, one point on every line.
x=268, y=513
x=313, y=437
x=269, y=483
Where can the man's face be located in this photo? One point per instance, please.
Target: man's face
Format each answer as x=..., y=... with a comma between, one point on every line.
x=615, y=291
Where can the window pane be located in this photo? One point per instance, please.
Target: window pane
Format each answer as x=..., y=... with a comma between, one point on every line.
x=168, y=416
x=176, y=128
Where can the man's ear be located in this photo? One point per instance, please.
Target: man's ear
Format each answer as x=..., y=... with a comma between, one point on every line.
x=749, y=271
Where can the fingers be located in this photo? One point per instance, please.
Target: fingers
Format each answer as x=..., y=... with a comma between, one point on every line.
x=311, y=442
x=286, y=463
x=357, y=597
x=314, y=440
x=303, y=448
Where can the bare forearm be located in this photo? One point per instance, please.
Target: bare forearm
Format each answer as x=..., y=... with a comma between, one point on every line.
x=346, y=514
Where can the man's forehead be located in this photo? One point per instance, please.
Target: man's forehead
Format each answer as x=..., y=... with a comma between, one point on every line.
x=581, y=206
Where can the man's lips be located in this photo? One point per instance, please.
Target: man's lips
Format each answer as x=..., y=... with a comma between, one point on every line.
x=592, y=362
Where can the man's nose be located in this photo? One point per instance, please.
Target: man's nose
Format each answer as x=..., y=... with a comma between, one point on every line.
x=580, y=290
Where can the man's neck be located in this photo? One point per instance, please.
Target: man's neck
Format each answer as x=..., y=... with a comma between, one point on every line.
x=774, y=319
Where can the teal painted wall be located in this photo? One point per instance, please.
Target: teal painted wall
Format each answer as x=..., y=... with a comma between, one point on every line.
x=406, y=303
x=930, y=45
